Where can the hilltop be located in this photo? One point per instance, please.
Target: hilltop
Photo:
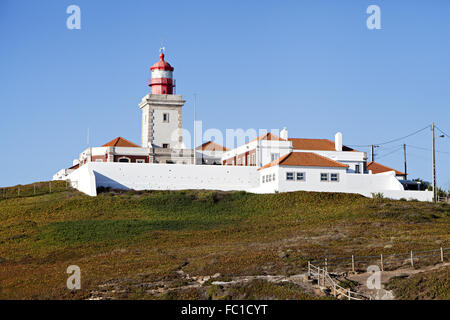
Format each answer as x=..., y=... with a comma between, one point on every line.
x=136, y=242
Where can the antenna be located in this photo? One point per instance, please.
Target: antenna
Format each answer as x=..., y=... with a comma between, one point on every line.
x=162, y=48
x=195, y=131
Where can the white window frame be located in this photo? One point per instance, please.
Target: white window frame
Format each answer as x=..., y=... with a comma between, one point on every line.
x=129, y=160
x=357, y=168
x=293, y=176
x=167, y=117
x=303, y=177
x=327, y=175
x=167, y=144
x=337, y=177
x=274, y=156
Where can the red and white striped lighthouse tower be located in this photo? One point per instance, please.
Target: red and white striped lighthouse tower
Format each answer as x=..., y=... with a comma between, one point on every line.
x=162, y=79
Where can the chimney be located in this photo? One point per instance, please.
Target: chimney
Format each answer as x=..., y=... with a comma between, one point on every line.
x=338, y=141
x=284, y=134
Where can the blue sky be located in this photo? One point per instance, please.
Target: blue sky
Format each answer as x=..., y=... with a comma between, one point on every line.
x=312, y=66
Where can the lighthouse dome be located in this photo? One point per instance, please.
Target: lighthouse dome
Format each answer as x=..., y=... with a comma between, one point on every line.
x=162, y=64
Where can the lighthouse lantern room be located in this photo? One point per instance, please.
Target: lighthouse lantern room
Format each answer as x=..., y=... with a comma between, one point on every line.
x=161, y=81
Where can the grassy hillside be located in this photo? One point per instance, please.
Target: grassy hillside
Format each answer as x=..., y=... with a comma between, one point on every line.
x=428, y=285
x=136, y=239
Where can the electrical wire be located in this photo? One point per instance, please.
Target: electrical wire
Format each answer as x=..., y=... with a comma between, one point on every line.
x=394, y=140
x=448, y=136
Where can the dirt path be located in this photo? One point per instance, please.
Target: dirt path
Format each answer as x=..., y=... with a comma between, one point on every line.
x=111, y=289
x=361, y=278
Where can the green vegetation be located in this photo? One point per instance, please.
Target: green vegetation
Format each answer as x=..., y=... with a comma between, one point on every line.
x=434, y=284
x=127, y=238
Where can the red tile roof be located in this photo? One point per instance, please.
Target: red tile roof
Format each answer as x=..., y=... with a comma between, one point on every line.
x=211, y=146
x=316, y=144
x=267, y=136
x=304, y=159
x=379, y=168
x=121, y=142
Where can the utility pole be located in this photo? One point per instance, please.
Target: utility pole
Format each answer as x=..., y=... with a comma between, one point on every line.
x=404, y=156
x=372, y=153
x=434, y=166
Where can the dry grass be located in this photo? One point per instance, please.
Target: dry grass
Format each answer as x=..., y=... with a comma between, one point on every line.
x=135, y=237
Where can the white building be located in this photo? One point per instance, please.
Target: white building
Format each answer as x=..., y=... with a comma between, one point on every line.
x=267, y=164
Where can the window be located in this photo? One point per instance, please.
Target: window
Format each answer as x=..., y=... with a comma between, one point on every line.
x=98, y=160
x=274, y=156
x=357, y=168
x=273, y=177
x=289, y=176
x=263, y=179
x=124, y=159
x=300, y=176
x=165, y=117
x=166, y=145
x=140, y=161
x=334, y=177
x=248, y=160
x=253, y=159
x=324, y=177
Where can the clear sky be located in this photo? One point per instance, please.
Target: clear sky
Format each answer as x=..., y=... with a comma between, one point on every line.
x=312, y=66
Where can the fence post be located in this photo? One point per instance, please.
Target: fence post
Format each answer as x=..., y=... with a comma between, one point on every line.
x=381, y=261
x=309, y=269
x=318, y=276
x=353, y=263
x=50, y=187
x=412, y=259
x=442, y=254
x=348, y=292
x=324, y=275
x=334, y=289
x=326, y=264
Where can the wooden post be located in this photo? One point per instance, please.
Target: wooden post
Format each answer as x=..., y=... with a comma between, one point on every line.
x=412, y=259
x=442, y=255
x=381, y=262
x=326, y=264
x=50, y=187
x=348, y=292
x=353, y=263
x=334, y=289
x=324, y=275
x=309, y=269
x=318, y=276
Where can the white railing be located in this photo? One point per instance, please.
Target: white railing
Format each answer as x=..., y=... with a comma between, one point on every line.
x=325, y=280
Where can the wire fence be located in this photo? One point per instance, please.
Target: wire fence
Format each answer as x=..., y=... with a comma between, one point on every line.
x=35, y=189
x=384, y=261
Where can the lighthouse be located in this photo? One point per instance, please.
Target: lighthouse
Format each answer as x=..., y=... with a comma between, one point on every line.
x=161, y=113
x=161, y=81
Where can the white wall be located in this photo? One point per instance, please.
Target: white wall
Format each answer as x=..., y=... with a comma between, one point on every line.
x=228, y=178
x=153, y=176
x=165, y=132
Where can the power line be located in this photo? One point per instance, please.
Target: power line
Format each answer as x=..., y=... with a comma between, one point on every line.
x=394, y=140
x=448, y=136
x=389, y=153
x=427, y=149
